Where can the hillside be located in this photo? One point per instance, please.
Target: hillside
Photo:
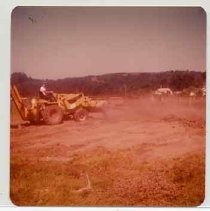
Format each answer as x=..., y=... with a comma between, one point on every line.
x=112, y=84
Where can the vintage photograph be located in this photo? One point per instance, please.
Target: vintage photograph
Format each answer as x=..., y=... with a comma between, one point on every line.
x=108, y=106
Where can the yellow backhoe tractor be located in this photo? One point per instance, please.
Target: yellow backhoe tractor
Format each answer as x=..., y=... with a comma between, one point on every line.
x=37, y=110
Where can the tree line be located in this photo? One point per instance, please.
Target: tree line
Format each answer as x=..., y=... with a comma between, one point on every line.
x=112, y=84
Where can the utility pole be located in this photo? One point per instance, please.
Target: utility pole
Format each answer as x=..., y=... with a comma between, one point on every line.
x=125, y=89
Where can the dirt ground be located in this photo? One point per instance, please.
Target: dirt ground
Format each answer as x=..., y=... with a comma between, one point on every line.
x=143, y=153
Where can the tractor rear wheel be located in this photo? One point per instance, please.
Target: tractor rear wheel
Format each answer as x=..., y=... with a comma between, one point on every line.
x=80, y=115
x=52, y=115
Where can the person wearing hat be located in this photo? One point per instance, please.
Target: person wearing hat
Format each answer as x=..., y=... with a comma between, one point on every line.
x=44, y=94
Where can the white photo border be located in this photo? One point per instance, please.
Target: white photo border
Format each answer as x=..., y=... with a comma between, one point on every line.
x=6, y=7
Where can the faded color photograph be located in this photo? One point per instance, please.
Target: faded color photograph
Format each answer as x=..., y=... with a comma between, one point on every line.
x=108, y=106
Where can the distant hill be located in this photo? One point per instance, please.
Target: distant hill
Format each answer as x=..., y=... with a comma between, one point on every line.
x=112, y=84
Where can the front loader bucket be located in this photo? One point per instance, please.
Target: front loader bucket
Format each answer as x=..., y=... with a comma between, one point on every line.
x=98, y=106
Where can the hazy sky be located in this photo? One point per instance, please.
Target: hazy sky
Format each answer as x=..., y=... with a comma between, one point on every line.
x=58, y=42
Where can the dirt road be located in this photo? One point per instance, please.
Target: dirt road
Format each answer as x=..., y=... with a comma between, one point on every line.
x=142, y=153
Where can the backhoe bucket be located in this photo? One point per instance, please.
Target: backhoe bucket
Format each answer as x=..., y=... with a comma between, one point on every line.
x=18, y=102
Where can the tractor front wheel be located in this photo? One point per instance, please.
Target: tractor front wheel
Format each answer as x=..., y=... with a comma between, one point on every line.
x=80, y=115
x=52, y=115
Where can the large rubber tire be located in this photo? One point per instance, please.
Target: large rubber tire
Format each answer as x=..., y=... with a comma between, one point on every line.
x=80, y=115
x=52, y=115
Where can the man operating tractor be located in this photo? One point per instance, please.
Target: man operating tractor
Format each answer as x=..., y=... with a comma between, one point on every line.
x=44, y=94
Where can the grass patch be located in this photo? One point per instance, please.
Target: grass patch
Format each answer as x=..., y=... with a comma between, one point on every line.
x=116, y=179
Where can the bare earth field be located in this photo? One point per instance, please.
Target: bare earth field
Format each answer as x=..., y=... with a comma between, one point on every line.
x=142, y=153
